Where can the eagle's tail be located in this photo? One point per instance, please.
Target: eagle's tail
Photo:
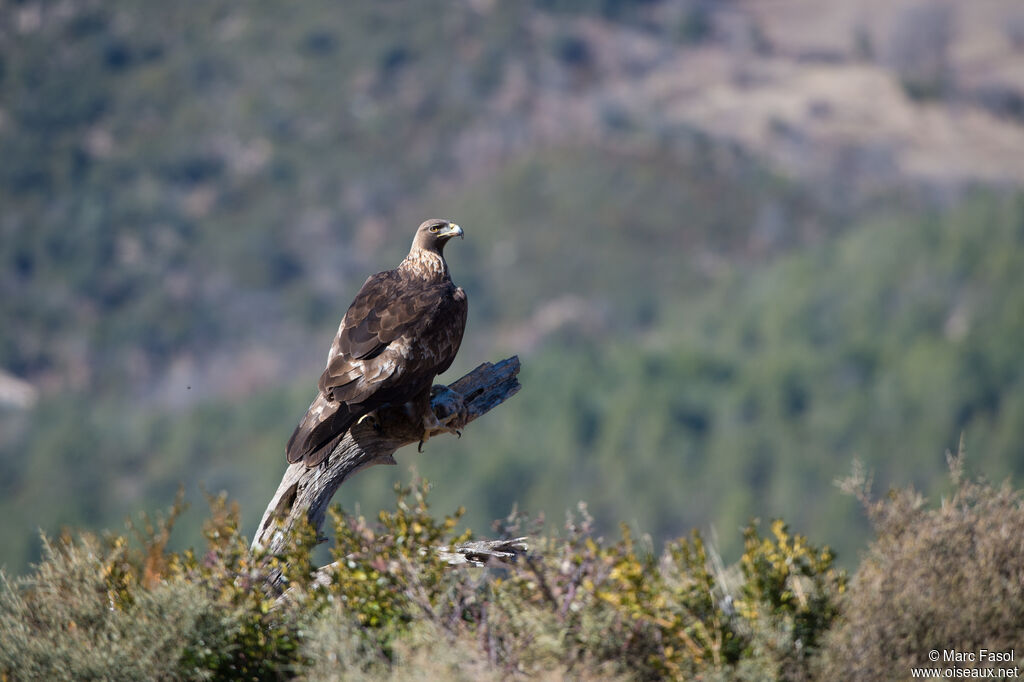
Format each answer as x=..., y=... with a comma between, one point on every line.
x=323, y=427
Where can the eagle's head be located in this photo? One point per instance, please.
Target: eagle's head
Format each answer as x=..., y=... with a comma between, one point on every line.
x=434, y=233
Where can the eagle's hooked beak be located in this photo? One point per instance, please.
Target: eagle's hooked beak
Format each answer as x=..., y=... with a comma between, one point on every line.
x=451, y=230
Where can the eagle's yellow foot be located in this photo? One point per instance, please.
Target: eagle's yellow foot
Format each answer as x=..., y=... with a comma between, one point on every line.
x=431, y=426
x=454, y=414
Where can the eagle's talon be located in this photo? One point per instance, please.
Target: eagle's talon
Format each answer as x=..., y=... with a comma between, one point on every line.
x=432, y=426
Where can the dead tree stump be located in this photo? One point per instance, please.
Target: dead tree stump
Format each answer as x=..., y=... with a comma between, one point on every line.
x=307, y=492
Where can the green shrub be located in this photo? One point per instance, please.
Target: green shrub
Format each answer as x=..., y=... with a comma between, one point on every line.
x=578, y=604
x=950, y=577
x=108, y=608
x=791, y=598
x=65, y=623
x=338, y=649
x=389, y=606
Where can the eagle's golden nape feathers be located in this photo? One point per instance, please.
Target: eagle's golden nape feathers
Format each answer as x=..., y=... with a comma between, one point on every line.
x=404, y=328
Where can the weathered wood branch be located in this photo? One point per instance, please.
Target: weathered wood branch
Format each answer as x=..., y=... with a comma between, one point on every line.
x=474, y=553
x=306, y=493
x=483, y=552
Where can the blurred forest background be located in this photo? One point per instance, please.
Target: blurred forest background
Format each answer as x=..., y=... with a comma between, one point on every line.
x=737, y=244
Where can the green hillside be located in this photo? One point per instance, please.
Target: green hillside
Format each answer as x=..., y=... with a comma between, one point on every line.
x=192, y=193
x=749, y=394
x=743, y=396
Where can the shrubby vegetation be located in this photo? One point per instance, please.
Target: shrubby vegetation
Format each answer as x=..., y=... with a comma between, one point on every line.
x=941, y=578
x=578, y=604
x=115, y=607
x=109, y=607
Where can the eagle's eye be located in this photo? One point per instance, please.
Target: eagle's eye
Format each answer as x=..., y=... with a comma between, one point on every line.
x=435, y=228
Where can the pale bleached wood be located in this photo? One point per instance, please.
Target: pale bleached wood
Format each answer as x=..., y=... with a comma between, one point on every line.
x=307, y=492
x=474, y=553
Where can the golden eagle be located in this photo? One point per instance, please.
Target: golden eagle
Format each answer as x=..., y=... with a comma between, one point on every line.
x=403, y=328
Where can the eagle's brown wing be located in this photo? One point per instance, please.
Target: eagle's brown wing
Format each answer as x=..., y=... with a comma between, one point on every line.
x=396, y=336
